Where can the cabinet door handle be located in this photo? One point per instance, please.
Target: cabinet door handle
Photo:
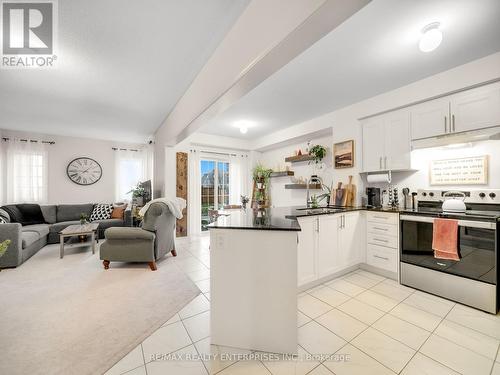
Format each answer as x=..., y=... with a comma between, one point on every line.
x=381, y=240
x=384, y=229
x=381, y=217
x=379, y=257
x=317, y=225
x=445, y=124
x=385, y=162
x=453, y=122
x=380, y=163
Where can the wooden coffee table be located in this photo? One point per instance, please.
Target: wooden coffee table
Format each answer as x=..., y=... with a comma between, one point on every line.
x=75, y=231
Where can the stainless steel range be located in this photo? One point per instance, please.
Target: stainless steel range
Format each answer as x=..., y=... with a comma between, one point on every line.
x=473, y=279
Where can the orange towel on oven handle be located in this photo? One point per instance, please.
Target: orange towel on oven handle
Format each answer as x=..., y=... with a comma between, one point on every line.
x=445, y=239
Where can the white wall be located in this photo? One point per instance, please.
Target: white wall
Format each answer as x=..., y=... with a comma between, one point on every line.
x=60, y=187
x=421, y=159
x=345, y=123
x=275, y=159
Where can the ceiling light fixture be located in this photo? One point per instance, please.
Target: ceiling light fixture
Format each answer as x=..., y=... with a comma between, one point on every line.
x=431, y=37
x=243, y=126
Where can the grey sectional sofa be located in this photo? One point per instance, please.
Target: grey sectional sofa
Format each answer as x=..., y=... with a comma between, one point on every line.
x=27, y=240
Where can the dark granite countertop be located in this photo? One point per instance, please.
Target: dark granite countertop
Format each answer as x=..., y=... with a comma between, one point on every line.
x=279, y=218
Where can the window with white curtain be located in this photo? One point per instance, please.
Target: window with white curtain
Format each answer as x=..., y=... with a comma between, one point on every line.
x=26, y=172
x=131, y=167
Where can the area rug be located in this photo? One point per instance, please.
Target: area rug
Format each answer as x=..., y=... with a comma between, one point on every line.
x=70, y=316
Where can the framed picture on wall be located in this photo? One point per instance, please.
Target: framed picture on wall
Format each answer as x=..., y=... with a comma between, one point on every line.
x=343, y=154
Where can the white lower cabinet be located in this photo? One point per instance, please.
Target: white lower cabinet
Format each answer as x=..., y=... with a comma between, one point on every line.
x=306, y=261
x=382, y=240
x=328, y=244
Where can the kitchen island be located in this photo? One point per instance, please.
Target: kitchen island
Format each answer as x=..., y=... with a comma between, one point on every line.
x=261, y=259
x=253, y=290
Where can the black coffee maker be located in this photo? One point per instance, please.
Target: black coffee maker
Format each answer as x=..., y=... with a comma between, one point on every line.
x=373, y=197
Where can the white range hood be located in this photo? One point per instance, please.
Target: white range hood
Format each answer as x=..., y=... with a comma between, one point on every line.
x=458, y=138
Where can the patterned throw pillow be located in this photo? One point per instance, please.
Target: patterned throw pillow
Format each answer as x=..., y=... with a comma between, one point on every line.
x=4, y=217
x=101, y=211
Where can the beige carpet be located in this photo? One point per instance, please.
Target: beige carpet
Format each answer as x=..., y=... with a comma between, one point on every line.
x=70, y=316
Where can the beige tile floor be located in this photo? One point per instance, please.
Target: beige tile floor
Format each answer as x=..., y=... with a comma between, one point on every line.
x=360, y=323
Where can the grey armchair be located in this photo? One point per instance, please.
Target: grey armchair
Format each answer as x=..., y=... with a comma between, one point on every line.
x=146, y=244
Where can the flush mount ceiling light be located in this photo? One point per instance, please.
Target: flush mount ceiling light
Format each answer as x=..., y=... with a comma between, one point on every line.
x=431, y=37
x=243, y=126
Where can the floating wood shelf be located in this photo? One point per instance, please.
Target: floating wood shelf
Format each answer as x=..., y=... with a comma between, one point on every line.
x=303, y=186
x=283, y=173
x=298, y=158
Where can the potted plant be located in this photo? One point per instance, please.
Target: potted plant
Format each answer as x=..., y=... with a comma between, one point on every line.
x=138, y=194
x=260, y=199
x=244, y=201
x=314, y=201
x=318, y=152
x=84, y=219
x=261, y=176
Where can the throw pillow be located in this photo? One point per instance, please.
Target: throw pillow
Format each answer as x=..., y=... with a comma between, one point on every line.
x=14, y=214
x=32, y=214
x=117, y=213
x=4, y=217
x=102, y=211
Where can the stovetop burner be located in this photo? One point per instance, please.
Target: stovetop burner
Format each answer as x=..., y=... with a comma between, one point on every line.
x=481, y=205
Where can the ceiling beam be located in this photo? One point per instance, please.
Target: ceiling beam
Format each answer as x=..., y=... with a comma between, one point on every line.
x=275, y=32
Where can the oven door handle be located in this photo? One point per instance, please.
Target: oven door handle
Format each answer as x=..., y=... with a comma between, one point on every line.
x=461, y=223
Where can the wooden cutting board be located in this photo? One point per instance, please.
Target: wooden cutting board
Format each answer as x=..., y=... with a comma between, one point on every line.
x=350, y=193
x=340, y=195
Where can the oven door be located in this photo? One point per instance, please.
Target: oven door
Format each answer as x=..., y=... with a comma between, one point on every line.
x=477, y=248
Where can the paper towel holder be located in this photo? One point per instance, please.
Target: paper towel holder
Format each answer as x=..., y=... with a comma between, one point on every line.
x=385, y=173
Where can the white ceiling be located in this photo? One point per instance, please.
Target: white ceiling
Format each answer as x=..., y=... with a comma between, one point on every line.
x=122, y=67
x=373, y=52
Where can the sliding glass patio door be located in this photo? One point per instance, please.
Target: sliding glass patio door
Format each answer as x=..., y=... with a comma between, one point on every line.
x=215, y=181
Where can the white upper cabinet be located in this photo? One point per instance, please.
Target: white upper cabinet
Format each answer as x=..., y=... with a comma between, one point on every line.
x=386, y=142
x=397, y=140
x=468, y=110
x=476, y=109
x=430, y=119
x=373, y=143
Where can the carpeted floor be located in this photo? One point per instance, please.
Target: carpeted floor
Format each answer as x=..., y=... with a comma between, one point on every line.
x=70, y=316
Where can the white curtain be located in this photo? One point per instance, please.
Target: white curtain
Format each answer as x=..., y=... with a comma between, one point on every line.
x=194, y=192
x=27, y=169
x=131, y=167
x=238, y=178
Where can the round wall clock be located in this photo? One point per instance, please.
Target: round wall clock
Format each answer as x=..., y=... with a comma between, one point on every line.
x=84, y=171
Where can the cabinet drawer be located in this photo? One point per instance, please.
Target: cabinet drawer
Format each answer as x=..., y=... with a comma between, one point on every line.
x=382, y=240
x=381, y=257
x=382, y=228
x=382, y=217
